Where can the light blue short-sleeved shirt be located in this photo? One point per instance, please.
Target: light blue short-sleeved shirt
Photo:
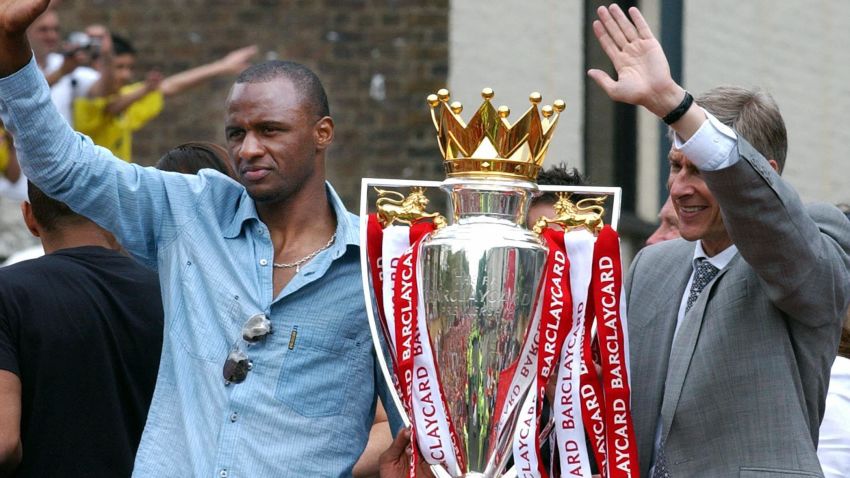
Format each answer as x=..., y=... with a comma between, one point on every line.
x=306, y=407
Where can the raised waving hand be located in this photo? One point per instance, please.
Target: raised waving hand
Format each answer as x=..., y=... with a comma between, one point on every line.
x=643, y=74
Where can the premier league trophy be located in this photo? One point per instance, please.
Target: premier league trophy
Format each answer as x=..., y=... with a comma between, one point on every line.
x=457, y=299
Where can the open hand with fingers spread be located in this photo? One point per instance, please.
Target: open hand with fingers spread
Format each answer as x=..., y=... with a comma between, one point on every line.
x=643, y=74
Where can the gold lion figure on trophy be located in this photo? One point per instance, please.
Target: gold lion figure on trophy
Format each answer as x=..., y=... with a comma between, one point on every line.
x=585, y=213
x=394, y=206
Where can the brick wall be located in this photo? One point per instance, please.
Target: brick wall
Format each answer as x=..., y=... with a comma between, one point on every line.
x=351, y=44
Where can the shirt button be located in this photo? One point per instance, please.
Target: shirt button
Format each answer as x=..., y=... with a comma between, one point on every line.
x=264, y=262
x=222, y=473
x=233, y=417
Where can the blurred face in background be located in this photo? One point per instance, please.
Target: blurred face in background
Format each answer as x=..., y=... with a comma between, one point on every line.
x=669, y=224
x=44, y=34
x=122, y=68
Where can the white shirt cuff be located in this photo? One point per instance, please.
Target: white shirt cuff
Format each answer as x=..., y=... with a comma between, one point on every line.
x=711, y=146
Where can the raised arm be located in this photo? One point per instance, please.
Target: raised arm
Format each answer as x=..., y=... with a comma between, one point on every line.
x=643, y=74
x=231, y=64
x=153, y=81
x=105, y=84
x=801, y=255
x=143, y=207
x=71, y=61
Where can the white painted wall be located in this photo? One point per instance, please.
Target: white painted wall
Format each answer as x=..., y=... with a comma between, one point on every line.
x=798, y=51
x=516, y=48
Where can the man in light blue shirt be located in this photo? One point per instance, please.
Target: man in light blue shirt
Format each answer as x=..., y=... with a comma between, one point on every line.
x=267, y=365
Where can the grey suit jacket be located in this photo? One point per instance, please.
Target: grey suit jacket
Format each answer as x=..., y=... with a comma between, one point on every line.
x=740, y=390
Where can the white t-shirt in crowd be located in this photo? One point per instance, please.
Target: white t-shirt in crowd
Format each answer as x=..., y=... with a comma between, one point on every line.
x=834, y=443
x=16, y=191
x=71, y=86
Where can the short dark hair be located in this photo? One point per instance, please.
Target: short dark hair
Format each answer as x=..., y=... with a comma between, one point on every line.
x=122, y=46
x=50, y=213
x=189, y=158
x=302, y=77
x=754, y=114
x=558, y=175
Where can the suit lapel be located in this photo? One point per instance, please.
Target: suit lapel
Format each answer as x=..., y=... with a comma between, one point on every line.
x=652, y=309
x=660, y=335
x=682, y=350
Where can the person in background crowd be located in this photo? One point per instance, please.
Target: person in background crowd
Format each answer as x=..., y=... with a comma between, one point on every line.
x=16, y=243
x=668, y=227
x=115, y=107
x=65, y=65
x=190, y=158
x=13, y=184
x=559, y=174
x=834, y=444
x=80, y=338
x=741, y=318
x=268, y=360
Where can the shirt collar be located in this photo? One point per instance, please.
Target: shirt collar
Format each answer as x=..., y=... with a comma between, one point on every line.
x=347, y=228
x=347, y=224
x=245, y=211
x=719, y=260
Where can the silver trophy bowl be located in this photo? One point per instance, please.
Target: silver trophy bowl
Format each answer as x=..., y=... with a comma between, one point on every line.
x=480, y=276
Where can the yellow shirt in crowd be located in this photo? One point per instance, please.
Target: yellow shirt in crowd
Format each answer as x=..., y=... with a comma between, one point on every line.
x=4, y=150
x=116, y=132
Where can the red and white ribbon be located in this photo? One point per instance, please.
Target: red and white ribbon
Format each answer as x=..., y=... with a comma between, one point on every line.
x=607, y=280
x=592, y=403
x=516, y=379
x=396, y=240
x=437, y=440
x=405, y=304
x=555, y=308
x=421, y=392
x=569, y=429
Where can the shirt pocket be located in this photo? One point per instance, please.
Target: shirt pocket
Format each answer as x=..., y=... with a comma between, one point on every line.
x=203, y=312
x=319, y=381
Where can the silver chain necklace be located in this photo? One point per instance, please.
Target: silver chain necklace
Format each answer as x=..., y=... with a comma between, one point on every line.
x=297, y=264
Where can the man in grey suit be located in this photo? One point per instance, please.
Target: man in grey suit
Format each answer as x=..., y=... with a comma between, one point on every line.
x=733, y=328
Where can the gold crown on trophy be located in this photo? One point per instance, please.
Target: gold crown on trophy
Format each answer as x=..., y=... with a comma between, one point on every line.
x=489, y=146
